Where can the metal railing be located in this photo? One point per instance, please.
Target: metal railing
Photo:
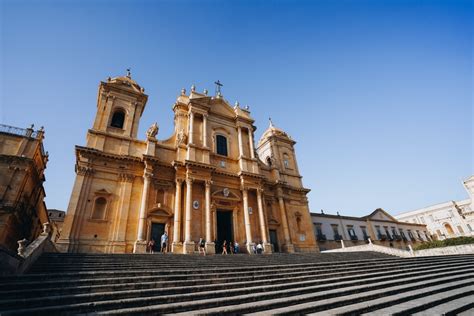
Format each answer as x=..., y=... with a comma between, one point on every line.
x=27, y=132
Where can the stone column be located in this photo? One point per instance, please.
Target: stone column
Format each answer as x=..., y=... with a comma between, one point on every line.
x=191, y=128
x=289, y=246
x=252, y=152
x=263, y=225
x=188, y=243
x=177, y=217
x=140, y=244
x=241, y=148
x=209, y=243
x=120, y=225
x=248, y=230
x=204, y=130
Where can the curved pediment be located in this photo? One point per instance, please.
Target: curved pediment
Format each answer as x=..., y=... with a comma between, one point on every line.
x=226, y=194
x=162, y=211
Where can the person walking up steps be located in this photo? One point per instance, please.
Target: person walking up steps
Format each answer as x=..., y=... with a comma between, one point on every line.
x=201, y=246
x=164, y=242
x=224, y=247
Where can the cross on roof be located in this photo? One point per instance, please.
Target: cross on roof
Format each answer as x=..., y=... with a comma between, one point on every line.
x=218, y=87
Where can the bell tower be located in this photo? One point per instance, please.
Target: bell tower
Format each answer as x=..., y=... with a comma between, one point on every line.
x=120, y=105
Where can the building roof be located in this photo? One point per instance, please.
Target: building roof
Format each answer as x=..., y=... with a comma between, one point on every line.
x=272, y=130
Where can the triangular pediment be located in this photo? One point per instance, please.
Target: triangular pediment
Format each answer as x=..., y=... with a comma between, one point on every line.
x=380, y=214
x=221, y=107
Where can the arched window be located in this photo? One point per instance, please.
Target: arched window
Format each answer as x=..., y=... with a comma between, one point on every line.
x=221, y=145
x=269, y=161
x=286, y=161
x=449, y=229
x=100, y=205
x=117, y=119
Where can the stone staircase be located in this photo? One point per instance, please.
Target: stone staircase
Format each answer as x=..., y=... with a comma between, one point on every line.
x=320, y=284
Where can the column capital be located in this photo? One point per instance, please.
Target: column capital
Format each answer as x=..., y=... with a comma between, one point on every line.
x=189, y=181
x=126, y=177
x=147, y=174
x=84, y=171
x=260, y=191
x=208, y=183
x=179, y=181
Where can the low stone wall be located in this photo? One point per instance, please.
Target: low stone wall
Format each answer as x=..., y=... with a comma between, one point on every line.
x=444, y=251
x=452, y=250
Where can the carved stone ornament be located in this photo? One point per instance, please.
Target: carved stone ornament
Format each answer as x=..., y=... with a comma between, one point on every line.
x=226, y=192
x=152, y=131
x=195, y=204
x=181, y=137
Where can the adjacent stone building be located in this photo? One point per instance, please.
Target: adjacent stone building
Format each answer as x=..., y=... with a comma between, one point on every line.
x=56, y=218
x=208, y=180
x=449, y=219
x=379, y=226
x=22, y=165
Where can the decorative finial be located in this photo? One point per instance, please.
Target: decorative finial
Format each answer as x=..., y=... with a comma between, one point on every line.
x=32, y=125
x=129, y=74
x=109, y=78
x=237, y=104
x=247, y=107
x=322, y=212
x=193, y=88
x=183, y=91
x=152, y=131
x=205, y=91
x=271, y=122
x=41, y=128
x=338, y=213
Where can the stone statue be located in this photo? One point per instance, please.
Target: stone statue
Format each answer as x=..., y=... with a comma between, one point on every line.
x=181, y=137
x=152, y=131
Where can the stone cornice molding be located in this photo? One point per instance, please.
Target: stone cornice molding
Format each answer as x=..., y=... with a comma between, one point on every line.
x=85, y=151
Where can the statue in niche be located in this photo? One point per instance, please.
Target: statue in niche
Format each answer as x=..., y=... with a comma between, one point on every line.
x=181, y=137
x=152, y=131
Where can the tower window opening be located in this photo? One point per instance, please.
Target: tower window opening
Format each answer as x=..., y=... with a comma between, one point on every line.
x=118, y=119
x=99, y=208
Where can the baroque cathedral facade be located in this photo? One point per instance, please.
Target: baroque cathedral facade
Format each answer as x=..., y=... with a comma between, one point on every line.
x=208, y=180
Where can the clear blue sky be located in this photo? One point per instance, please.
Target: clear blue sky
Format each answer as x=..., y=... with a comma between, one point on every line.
x=378, y=94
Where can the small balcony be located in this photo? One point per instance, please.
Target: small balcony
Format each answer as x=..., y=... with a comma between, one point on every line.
x=337, y=237
x=397, y=237
x=354, y=238
x=321, y=237
x=382, y=237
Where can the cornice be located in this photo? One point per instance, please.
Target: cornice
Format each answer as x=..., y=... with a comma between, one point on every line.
x=94, y=152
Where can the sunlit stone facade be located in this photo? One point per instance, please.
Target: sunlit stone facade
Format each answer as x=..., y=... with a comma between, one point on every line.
x=208, y=180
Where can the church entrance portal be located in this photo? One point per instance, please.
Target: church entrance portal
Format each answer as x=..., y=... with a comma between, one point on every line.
x=157, y=230
x=224, y=228
x=274, y=240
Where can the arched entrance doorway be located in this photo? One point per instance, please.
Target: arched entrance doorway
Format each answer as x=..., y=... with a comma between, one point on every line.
x=449, y=229
x=159, y=221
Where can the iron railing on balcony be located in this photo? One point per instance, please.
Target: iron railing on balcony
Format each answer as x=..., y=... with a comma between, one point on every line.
x=27, y=132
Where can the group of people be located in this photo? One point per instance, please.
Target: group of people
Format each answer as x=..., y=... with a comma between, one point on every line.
x=163, y=242
x=227, y=247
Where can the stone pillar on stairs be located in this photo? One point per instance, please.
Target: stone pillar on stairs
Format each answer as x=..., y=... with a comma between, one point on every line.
x=188, y=246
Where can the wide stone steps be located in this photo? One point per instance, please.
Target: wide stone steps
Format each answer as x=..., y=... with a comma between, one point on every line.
x=239, y=284
x=37, y=289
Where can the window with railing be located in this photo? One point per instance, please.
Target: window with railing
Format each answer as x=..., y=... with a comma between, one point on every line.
x=351, y=232
x=319, y=232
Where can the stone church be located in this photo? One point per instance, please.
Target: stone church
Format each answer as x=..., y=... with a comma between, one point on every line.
x=208, y=180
